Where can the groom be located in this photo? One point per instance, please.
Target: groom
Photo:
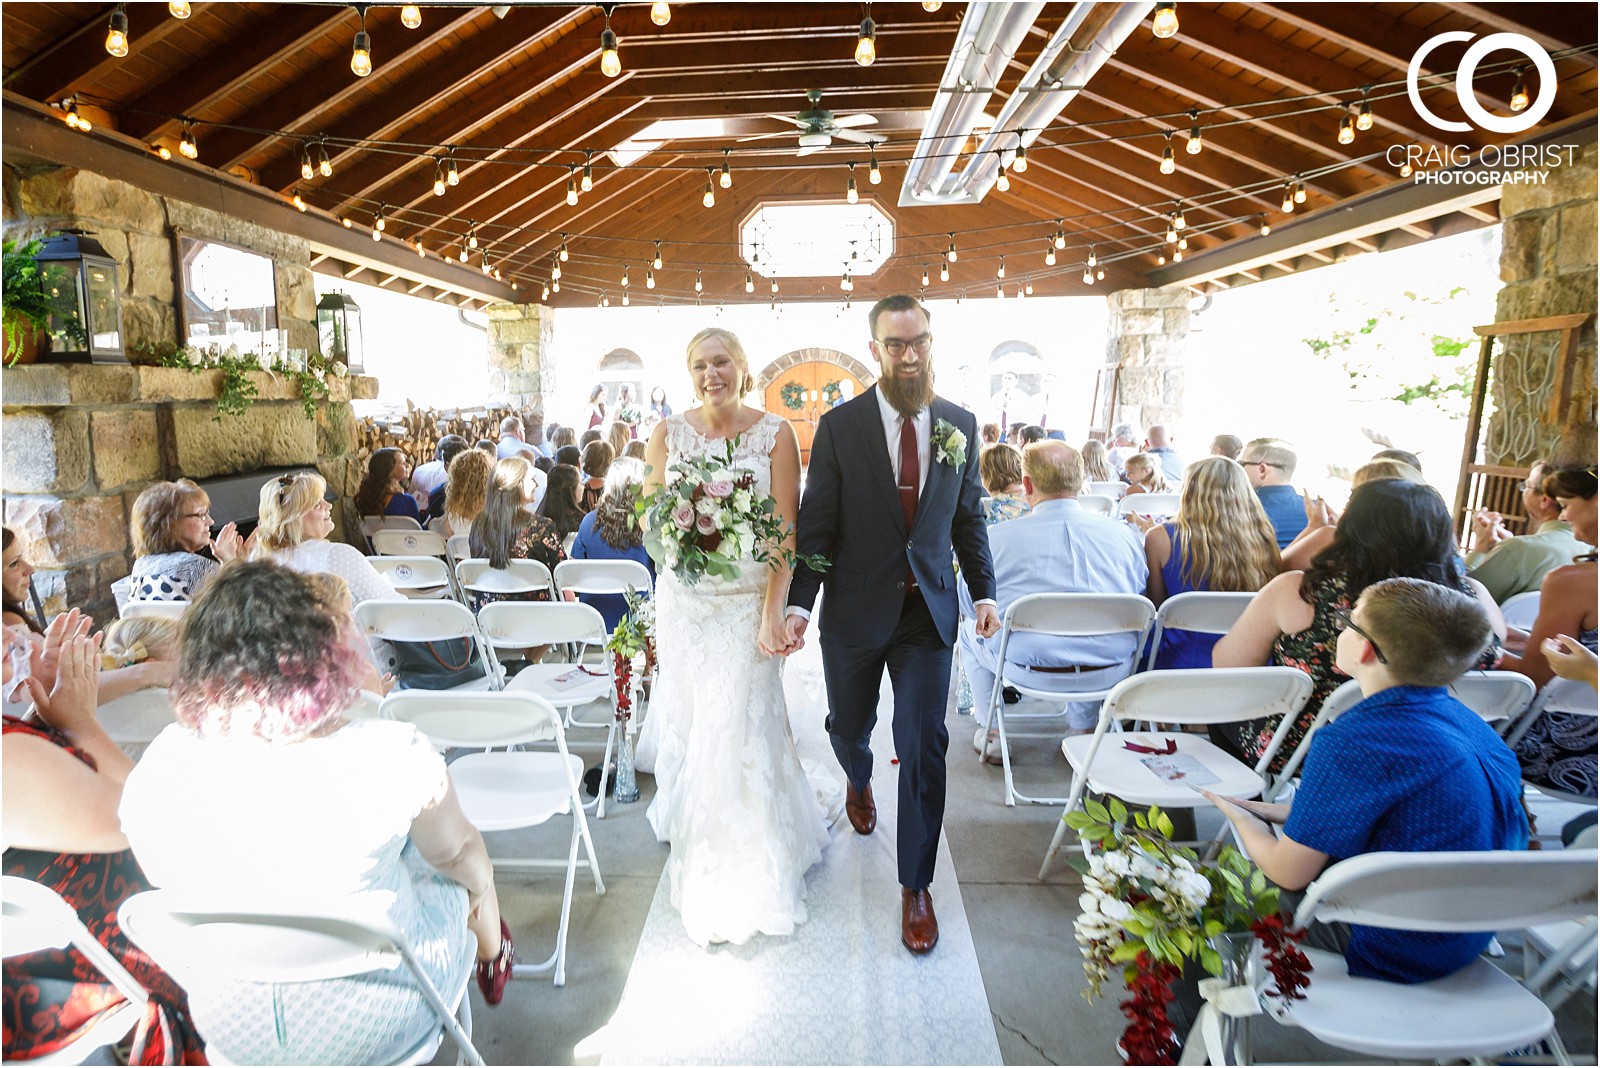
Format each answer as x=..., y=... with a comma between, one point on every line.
x=892, y=485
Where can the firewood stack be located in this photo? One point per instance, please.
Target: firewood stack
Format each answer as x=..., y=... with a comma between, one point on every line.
x=419, y=430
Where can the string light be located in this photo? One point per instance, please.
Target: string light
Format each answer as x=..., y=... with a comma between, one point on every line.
x=709, y=197
x=410, y=16
x=1405, y=165
x=162, y=150
x=439, y=184
x=698, y=285
x=725, y=179
x=324, y=164
x=1194, y=145
x=850, y=194
x=1288, y=198
x=563, y=253
x=1177, y=255
x=1060, y=240
x=605, y=300
x=117, y=33
x=472, y=233
x=999, y=292
x=1020, y=163
x=1183, y=242
x=1172, y=232
x=555, y=286
x=874, y=175
x=1088, y=276
x=661, y=12
x=361, y=48
x=1266, y=227
x=1161, y=259
x=1000, y=272
x=179, y=9
x=451, y=173
x=944, y=272
x=1002, y=182
x=626, y=281
x=378, y=223
x=1028, y=289
x=307, y=171
x=1519, y=93
x=347, y=221
x=656, y=263
x=1165, y=22
x=555, y=269
x=1299, y=191
x=610, y=62
x=866, y=50
x=422, y=253
x=924, y=276
x=930, y=6
x=1364, y=115
x=1049, y=254
x=1347, y=128
x=1093, y=259
x=545, y=295
x=625, y=300
x=649, y=278
x=1169, y=162
x=1178, y=221
x=463, y=256
x=749, y=283
x=572, y=184
x=187, y=145
x=951, y=255
x=73, y=119
x=587, y=183
x=1100, y=272
x=299, y=201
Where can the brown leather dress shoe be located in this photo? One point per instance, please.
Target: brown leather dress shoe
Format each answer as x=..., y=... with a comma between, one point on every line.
x=860, y=808
x=919, y=929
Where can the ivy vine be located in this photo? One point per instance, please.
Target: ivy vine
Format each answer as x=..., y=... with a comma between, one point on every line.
x=239, y=390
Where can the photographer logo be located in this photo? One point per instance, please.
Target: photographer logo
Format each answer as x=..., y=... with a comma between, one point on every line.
x=1510, y=124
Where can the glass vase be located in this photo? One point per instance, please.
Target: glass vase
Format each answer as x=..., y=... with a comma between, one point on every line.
x=1242, y=965
x=627, y=786
x=963, y=694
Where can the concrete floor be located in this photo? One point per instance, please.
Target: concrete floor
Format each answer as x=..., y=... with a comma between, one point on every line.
x=1022, y=930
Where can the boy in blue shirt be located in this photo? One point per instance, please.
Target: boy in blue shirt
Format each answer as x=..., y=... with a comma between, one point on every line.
x=1408, y=769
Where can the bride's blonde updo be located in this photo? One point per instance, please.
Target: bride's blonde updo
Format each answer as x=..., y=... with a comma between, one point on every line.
x=730, y=340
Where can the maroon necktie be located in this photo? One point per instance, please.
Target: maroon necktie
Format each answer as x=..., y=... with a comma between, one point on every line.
x=908, y=471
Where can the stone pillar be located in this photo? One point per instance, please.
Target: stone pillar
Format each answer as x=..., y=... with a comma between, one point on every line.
x=522, y=371
x=1548, y=264
x=1144, y=346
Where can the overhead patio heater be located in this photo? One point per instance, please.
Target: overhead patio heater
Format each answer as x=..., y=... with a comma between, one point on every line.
x=74, y=269
x=339, y=330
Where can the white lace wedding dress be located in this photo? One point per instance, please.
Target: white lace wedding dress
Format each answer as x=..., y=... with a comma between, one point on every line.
x=731, y=795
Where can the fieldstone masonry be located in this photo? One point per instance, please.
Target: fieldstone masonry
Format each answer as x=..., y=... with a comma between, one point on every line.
x=1145, y=334
x=1548, y=263
x=522, y=359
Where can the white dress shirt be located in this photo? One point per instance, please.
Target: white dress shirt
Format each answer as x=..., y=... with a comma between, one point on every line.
x=922, y=423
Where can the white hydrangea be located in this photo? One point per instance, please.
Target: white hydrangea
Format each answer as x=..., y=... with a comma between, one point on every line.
x=706, y=505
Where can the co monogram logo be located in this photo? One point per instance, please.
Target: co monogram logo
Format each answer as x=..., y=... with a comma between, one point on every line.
x=1469, y=68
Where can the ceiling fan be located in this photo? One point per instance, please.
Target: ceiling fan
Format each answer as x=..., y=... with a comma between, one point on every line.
x=819, y=126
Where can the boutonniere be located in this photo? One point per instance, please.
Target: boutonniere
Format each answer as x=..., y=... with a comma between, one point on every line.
x=949, y=444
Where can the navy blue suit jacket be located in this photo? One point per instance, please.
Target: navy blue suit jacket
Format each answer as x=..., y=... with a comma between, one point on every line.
x=851, y=515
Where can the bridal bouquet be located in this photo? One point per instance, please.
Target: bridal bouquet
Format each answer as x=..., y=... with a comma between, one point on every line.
x=706, y=518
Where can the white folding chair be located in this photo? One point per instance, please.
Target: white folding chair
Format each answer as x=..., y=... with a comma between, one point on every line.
x=428, y=621
x=424, y=578
x=1062, y=615
x=1337, y=703
x=602, y=577
x=1097, y=503
x=1166, y=765
x=371, y=524
x=1558, y=695
x=1114, y=490
x=414, y=542
x=439, y=526
x=1476, y=1012
x=1159, y=505
x=172, y=610
x=458, y=548
x=1520, y=611
x=36, y=919
x=122, y=590
x=1494, y=695
x=510, y=790
x=200, y=941
x=517, y=578
x=1201, y=611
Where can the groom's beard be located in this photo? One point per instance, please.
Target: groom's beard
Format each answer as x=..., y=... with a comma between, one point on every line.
x=908, y=396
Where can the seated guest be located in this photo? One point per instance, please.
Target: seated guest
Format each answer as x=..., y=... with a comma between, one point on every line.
x=1058, y=548
x=1226, y=445
x=1559, y=749
x=295, y=521
x=1123, y=445
x=507, y=529
x=142, y=638
x=565, y=435
x=1409, y=769
x=1391, y=529
x=430, y=476
x=1097, y=463
x=1509, y=565
x=1219, y=540
x=382, y=490
x=487, y=446
x=570, y=455
x=1270, y=463
x=63, y=778
x=618, y=437
x=589, y=436
x=1401, y=455
x=547, y=447
x=1143, y=474
x=989, y=434
x=1321, y=520
x=1159, y=445
x=612, y=532
x=171, y=527
x=1014, y=434
x=511, y=443
x=437, y=494
x=1030, y=434
x=635, y=450
x=464, y=490
x=597, y=457
x=1000, y=468
x=561, y=501
x=233, y=803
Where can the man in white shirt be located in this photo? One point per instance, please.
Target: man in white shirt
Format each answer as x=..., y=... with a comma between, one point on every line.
x=511, y=444
x=431, y=475
x=1057, y=548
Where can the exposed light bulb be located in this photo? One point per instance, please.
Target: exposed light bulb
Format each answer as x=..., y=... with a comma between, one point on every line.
x=709, y=197
x=1060, y=240
x=75, y=120
x=1177, y=255
x=1266, y=227
x=1288, y=198
x=656, y=263
x=439, y=184
x=1405, y=167
x=1519, y=93
x=117, y=34
x=649, y=279
x=299, y=201
x=999, y=292
x=699, y=286
x=187, y=145
x=1019, y=162
x=324, y=164
x=874, y=175
x=587, y=182
x=661, y=12
x=162, y=150
x=1183, y=242
x=179, y=9
x=347, y=221
x=451, y=173
x=1093, y=259
x=866, y=50
x=307, y=171
x=555, y=287
x=1347, y=129
x=774, y=286
x=1194, y=144
x=951, y=255
x=422, y=253
x=610, y=62
x=1165, y=22
x=924, y=275
x=463, y=255
x=850, y=194
x=1172, y=232
x=625, y=300
x=410, y=16
x=1169, y=163
x=1178, y=221
x=1049, y=255
x=1161, y=259
x=572, y=184
x=1028, y=289
x=725, y=179
x=749, y=283
x=1002, y=182
x=930, y=6
x=564, y=254
x=944, y=272
x=1000, y=272
x=472, y=234
x=626, y=280
x=361, y=55
x=1299, y=192
x=1088, y=276
x=1100, y=272
x=545, y=295
x=1364, y=115
x=555, y=268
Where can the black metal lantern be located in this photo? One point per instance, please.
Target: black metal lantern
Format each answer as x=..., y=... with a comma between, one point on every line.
x=74, y=268
x=339, y=330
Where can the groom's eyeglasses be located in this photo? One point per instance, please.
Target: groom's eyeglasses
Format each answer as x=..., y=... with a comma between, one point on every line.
x=896, y=346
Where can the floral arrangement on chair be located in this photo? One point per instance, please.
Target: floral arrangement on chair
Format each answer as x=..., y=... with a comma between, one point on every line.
x=635, y=633
x=1152, y=906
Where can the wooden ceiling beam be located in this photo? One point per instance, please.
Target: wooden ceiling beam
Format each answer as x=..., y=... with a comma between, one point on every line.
x=79, y=58
x=1554, y=28
x=873, y=100
x=388, y=114
x=259, y=47
x=843, y=80
x=330, y=85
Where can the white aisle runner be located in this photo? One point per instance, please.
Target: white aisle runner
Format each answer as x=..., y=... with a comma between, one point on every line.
x=842, y=989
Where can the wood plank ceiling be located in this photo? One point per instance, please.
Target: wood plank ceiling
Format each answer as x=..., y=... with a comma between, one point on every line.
x=515, y=95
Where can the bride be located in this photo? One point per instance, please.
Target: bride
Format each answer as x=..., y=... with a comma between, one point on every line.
x=731, y=795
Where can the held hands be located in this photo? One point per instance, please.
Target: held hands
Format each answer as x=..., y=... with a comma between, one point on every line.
x=986, y=620
x=774, y=639
x=795, y=631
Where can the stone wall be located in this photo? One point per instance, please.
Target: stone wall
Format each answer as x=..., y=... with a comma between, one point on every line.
x=522, y=360
x=138, y=231
x=81, y=441
x=1548, y=263
x=1145, y=335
